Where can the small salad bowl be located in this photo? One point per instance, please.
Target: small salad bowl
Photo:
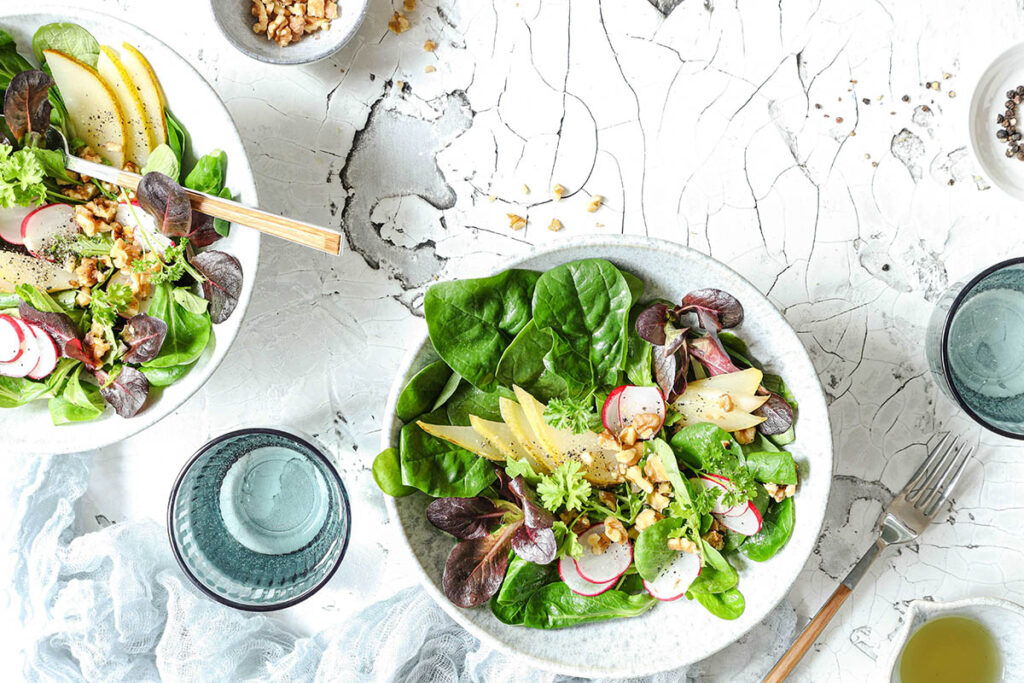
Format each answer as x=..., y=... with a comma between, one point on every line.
x=1004, y=619
x=235, y=21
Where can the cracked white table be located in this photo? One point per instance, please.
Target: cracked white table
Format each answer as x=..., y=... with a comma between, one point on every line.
x=795, y=141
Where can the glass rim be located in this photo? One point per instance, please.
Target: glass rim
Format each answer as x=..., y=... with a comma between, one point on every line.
x=345, y=508
x=947, y=326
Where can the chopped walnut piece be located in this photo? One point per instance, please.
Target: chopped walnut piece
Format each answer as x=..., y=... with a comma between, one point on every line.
x=559, y=191
x=82, y=192
x=84, y=297
x=745, y=436
x=646, y=425
x=595, y=203
x=634, y=475
x=598, y=543
x=627, y=437
x=714, y=539
x=587, y=458
x=725, y=402
x=285, y=22
x=581, y=525
x=614, y=530
x=682, y=545
x=658, y=501
x=429, y=46
x=398, y=23
x=630, y=456
x=555, y=225
x=516, y=222
x=646, y=518
x=87, y=273
x=608, y=499
x=780, y=492
x=409, y=5
x=607, y=441
x=526, y=189
x=654, y=468
x=95, y=343
x=314, y=8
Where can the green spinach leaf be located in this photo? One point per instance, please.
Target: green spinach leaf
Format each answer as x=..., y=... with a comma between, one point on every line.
x=651, y=553
x=468, y=400
x=439, y=468
x=717, y=575
x=556, y=606
x=522, y=580
x=422, y=390
x=726, y=605
x=11, y=63
x=179, y=140
x=165, y=377
x=522, y=364
x=776, y=528
x=776, y=467
x=387, y=472
x=188, y=333
x=71, y=39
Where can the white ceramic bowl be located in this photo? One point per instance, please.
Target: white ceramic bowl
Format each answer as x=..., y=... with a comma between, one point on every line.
x=677, y=633
x=1004, y=73
x=197, y=106
x=235, y=20
x=1004, y=619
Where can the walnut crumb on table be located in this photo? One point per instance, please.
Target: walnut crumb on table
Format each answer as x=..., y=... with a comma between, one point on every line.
x=398, y=23
x=595, y=203
x=429, y=69
x=559, y=192
x=555, y=225
x=409, y=5
x=516, y=222
x=286, y=22
x=429, y=46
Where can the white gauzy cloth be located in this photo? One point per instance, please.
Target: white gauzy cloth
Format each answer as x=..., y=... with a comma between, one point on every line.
x=112, y=605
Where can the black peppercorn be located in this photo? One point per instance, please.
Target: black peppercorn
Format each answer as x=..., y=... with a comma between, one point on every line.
x=1002, y=134
x=1010, y=104
x=1000, y=118
x=1020, y=89
x=1009, y=93
x=1009, y=154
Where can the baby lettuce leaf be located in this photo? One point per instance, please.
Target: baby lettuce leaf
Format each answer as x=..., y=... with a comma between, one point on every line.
x=187, y=333
x=78, y=402
x=586, y=305
x=71, y=39
x=639, y=354
x=522, y=364
x=165, y=377
x=535, y=540
x=717, y=575
x=471, y=322
x=208, y=173
x=475, y=569
x=163, y=199
x=439, y=468
x=725, y=605
x=772, y=467
x=776, y=528
x=522, y=580
x=11, y=62
x=223, y=283
x=27, y=104
x=144, y=335
x=556, y=606
x=126, y=391
x=651, y=553
x=422, y=391
x=701, y=446
x=178, y=140
x=464, y=518
x=387, y=472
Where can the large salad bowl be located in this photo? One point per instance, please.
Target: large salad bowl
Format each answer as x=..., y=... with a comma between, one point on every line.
x=197, y=106
x=677, y=633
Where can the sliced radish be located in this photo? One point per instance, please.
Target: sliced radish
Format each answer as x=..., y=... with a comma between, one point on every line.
x=10, y=223
x=609, y=565
x=748, y=523
x=626, y=402
x=12, y=339
x=577, y=584
x=673, y=581
x=710, y=483
x=48, y=353
x=40, y=228
x=144, y=227
x=27, y=361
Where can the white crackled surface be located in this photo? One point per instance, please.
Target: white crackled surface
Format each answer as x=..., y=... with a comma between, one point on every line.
x=703, y=128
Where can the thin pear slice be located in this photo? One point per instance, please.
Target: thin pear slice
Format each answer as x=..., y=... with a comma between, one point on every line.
x=464, y=437
x=514, y=417
x=150, y=92
x=706, y=406
x=743, y=383
x=18, y=268
x=601, y=466
x=141, y=139
x=499, y=435
x=92, y=105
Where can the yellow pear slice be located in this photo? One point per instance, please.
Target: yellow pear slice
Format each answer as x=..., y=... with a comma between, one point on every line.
x=743, y=383
x=464, y=437
x=140, y=138
x=150, y=92
x=514, y=417
x=600, y=464
x=18, y=268
x=705, y=406
x=92, y=105
x=499, y=435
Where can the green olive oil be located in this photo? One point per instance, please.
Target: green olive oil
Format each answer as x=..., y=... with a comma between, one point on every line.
x=951, y=650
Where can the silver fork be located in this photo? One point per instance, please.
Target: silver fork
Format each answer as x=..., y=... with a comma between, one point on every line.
x=906, y=517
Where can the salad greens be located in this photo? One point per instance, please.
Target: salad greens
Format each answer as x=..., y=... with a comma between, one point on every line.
x=576, y=492
x=137, y=310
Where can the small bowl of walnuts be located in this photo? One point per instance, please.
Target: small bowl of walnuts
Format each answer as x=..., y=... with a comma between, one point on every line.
x=288, y=32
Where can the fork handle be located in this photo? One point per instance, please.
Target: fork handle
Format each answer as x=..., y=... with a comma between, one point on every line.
x=784, y=667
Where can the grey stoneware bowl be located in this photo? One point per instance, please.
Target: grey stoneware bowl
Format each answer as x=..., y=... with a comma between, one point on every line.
x=672, y=634
x=235, y=20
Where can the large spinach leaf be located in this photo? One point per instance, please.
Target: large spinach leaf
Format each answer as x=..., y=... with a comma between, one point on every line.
x=187, y=333
x=11, y=63
x=725, y=605
x=468, y=400
x=471, y=322
x=522, y=364
x=639, y=355
x=651, y=553
x=776, y=467
x=522, y=580
x=440, y=468
x=776, y=528
x=586, y=304
x=556, y=606
x=420, y=394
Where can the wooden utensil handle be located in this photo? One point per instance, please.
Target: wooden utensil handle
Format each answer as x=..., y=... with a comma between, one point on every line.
x=788, y=662
x=294, y=231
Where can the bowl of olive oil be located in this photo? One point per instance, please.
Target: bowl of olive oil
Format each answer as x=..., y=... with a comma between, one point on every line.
x=959, y=641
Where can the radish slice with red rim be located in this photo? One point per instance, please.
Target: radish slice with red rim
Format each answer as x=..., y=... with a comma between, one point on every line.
x=27, y=361
x=747, y=523
x=709, y=483
x=48, y=353
x=41, y=228
x=626, y=402
x=577, y=584
x=609, y=565
x=674, y=580
x=10, y=223
x=12, y=339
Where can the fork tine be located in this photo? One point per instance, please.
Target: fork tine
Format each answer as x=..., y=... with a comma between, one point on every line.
x=929, y=468
x=942, y=469
x=942, y=495
x=918, y=474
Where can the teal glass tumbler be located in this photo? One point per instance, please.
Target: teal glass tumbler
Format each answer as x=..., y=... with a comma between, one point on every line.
x=259, y=519
x=975, y=347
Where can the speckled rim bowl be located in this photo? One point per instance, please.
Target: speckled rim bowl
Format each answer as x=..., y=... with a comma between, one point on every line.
x=666, y=637
x=1006, y=71
x=1003, y=618
x=235, y=21
x=346, y=511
